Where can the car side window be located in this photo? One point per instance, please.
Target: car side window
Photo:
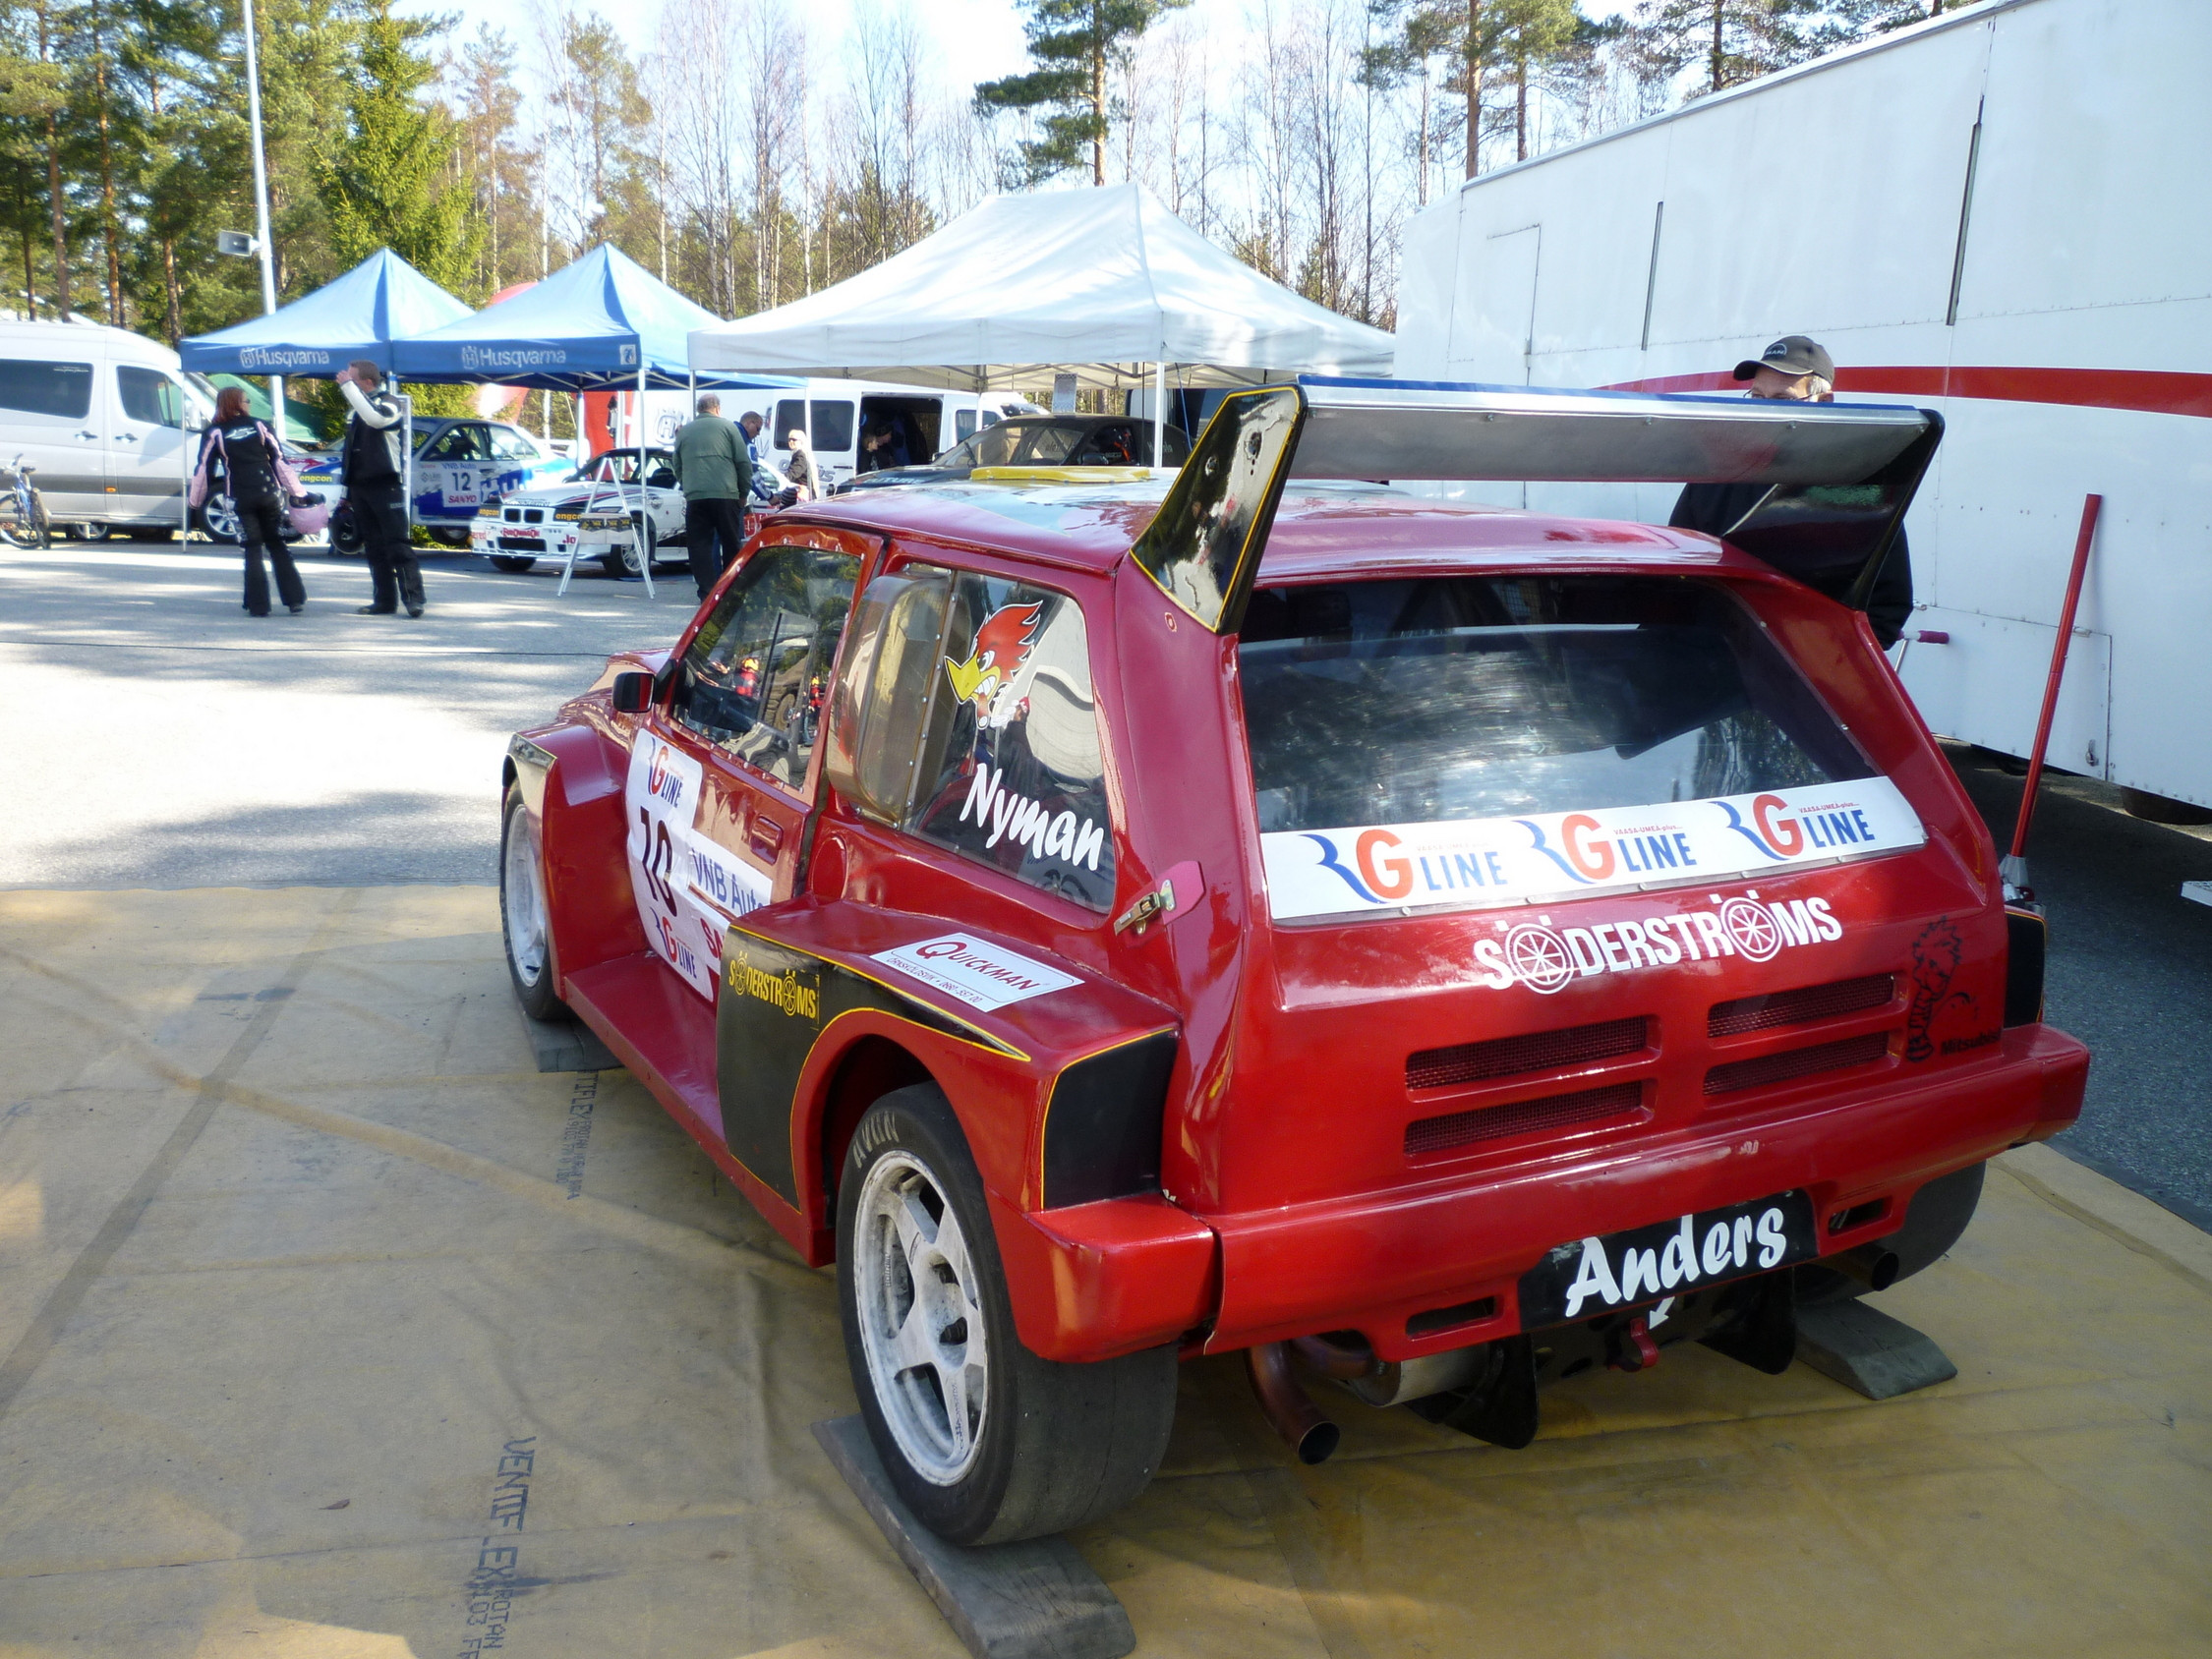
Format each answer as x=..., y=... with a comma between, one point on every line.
x=756, y=675
x=1010, y=767
x=833, y=425
x=1048, y=447
x=64, y=389
x=461, y=443
x=507, y=444
x=149, y=396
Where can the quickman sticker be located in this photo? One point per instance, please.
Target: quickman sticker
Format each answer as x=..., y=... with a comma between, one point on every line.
x=1605, y=849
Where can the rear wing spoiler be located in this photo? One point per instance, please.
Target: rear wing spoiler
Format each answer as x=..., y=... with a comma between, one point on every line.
x=1840, y=477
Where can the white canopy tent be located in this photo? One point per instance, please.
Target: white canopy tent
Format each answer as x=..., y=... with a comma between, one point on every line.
x=1105, y=283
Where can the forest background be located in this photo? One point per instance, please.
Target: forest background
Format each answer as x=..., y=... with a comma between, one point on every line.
x=749, y=156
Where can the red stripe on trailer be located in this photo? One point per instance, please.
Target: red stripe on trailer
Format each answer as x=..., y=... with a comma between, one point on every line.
x=2152, y=391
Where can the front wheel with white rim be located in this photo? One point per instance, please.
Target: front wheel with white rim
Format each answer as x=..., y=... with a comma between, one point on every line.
x=522, y=913
x=986, y=1442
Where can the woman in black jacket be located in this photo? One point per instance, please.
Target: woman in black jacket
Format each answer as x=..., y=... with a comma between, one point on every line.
x=258, y=480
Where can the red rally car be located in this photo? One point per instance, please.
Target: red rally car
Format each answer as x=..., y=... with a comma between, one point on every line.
x=1452, y=947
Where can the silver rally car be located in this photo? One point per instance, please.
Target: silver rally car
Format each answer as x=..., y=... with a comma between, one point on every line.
x=599, y=511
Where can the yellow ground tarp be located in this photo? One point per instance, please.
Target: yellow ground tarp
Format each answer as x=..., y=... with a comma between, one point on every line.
x=329, y=1328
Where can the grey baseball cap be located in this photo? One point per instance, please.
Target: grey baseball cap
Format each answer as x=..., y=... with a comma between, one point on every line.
x=1791, y=354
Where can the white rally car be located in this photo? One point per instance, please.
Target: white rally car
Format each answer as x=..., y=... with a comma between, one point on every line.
x=598, y=510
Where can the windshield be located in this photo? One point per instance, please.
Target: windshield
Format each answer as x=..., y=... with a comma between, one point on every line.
x=1500, y=702
x=993, y=446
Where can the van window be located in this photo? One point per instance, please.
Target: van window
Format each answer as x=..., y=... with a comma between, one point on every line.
x=757, y=673
x=63, y=389
x=1457, y=697
x=150, y=396
x=1011, y=751
x=833, y=425
x=791, y=417
x=963, y=424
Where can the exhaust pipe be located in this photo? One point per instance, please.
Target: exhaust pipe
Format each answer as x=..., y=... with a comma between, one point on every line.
x=1873, y=1265
x=1335, y=1361
x=1312, y=1435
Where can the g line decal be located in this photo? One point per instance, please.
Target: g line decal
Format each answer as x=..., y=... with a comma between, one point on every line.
x=1547, y=959
x=1607, y=849
x=983, y=976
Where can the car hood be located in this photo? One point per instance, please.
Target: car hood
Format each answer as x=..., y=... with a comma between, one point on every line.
x=566, y=495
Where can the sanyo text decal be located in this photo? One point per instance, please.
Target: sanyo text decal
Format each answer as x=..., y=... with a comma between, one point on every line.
x=1546, y=959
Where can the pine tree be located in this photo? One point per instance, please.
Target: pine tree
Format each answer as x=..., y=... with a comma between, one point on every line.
x=1731, y=40
x=390, y=183
x=1071, y=43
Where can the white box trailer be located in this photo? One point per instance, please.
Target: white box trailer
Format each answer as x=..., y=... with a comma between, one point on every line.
x=836, y=414
x=2002, y=214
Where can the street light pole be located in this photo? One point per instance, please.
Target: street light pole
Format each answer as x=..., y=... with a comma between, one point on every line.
x=261, y=212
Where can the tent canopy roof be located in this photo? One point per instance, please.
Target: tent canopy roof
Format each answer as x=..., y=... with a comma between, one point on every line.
x=1082, y=279
x=587, y=327
x=358, y=315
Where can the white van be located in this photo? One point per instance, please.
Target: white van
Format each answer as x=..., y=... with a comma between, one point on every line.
x=922, y=421
x=103, y=414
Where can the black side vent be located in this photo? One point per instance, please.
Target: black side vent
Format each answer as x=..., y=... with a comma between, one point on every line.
x=1800, y=1007
x=1766, y=1071
x=1538, y=1050
x=1427, y=1136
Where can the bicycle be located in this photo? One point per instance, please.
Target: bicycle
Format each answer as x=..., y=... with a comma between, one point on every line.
x=22, y=512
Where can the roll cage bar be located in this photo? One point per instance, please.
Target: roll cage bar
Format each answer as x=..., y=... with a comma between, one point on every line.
x=1839, y=476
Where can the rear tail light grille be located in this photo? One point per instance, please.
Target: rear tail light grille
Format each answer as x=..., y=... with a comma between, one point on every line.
x=1539, y=1050
x=1426, y=1135
x=1800, y=1007
x=1766, y=1071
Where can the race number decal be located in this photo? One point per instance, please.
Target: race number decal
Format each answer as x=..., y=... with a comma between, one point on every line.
x=660, y=800
x=687, y=888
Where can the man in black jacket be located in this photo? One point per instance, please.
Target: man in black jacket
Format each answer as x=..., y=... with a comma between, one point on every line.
x=375, y=473
x=1799, y=371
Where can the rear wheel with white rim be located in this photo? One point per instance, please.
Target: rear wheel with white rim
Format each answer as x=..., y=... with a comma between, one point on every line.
x=986, y=1442
x=523, y=915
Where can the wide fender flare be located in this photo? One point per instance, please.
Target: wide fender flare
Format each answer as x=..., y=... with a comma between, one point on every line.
x=571, y=776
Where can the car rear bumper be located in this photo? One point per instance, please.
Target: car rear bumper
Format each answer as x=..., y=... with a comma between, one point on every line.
x=1373, y=1262
x=1099, y=1279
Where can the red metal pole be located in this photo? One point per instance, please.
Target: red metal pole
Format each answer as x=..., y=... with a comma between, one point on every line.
x=2090, y=507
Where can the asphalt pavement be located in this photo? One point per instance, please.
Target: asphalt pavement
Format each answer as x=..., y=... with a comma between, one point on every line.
x=2130, y=974
x=158, y=737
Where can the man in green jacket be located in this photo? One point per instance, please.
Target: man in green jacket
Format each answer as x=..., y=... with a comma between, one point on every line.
x=714, y=472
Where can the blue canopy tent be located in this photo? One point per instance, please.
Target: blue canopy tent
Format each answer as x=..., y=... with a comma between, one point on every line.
x=602, y=323
x=359, y=315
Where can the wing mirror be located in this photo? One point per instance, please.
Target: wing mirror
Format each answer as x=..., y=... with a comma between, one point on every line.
x=632, y=693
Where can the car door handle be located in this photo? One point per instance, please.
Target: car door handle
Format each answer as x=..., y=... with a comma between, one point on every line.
x=127, y=438
x=764, y=836
x=88, y=438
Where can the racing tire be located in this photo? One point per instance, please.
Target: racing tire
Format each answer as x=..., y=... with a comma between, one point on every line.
x=457, y=538
x=512, y=563
x=524, y=923
x=625, y=562
x=1030, y=1446
x=1934, y=1222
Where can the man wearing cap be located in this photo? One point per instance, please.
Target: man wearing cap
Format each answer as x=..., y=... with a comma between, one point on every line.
x=1796, y=370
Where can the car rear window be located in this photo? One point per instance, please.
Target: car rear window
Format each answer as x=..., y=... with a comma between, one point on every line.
x=1467, y=739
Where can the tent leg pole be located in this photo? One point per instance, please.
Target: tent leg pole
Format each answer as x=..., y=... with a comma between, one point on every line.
x=644, y=506
x=1160, y=415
